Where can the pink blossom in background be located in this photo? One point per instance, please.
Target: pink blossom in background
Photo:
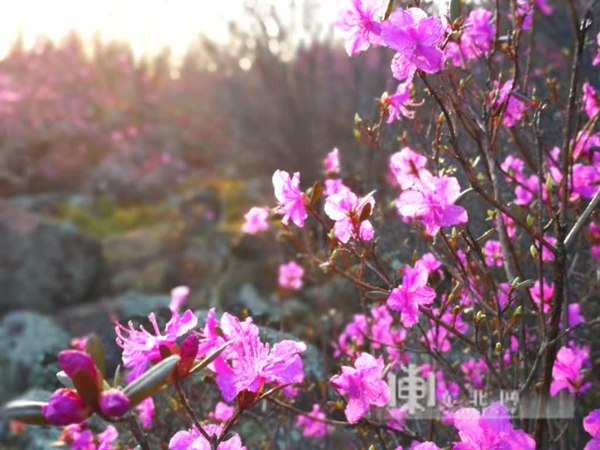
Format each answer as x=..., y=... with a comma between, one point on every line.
x=478, y=33
x=431, y=263
x=398, y=104
x=407, y=166
x=591, y=100
x=569, y=372
x=291, y=202
x=257, y=219
x=474, y=370
x=597, y=58
x=312, y=427
x=223, y=412
x=493, y=253
x=416, y=38
x=525, y=11
x=527, y=191
x=574, y=314
x=106, y=438
x=178, y=296
x=492, y=429
x=290, y=275
x=544, y=6
x=515, y=108
x=536, y=291
x=334, y=186
x=360, y=21
x=354, y=333
x=397, y=417
x=193, y=439
x=412, y=293
x=332, y=161
x=432, y=199
x=591, y=424
x=513, y=166
x=141, y=347
x=345, y=209
x=437, y=336
x=585, y=141
x=363, y=385
x=145, y=412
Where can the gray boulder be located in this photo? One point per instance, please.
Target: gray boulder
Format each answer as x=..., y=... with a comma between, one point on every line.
x=44, y=265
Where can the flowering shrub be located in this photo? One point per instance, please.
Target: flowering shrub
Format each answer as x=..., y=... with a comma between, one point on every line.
x=496, y=185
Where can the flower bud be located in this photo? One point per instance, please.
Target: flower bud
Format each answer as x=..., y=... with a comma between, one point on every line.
x=66, y=407
x=71, y=361
x=189, y=347
x=114, y=403
x=178, y=296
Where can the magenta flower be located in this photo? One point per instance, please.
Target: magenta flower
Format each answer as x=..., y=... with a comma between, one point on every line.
x=591, y=101
x=415, y=37
x=178, y=296
x=478, y=34
x=312, y=427
x=345, y=208
x=247, y=363
x=493, y=253
x=145, y=412
x=597, y=59
x=106, y=438
x=412, y=293
x=360, y=21
x=490, y=430
x=363, y=385
x=426, y=446
x=334, y=186
x=332, y=161
x=591, y=424
x=568, y=371
x=574, y=314
x=193, y=439
x=407, y=166
x=354, y=333
x=72, y=361
x=536, y=294
x=114, y=403
x=432, y=199
x=398, y=104
x=516, y=107
x=544, y=7
x=223, y=412
x=257, y=219
x=141, y=347
x=291, y=201
x=66, y=407
x=513, y=167
x=290, y=275
x=526, y=191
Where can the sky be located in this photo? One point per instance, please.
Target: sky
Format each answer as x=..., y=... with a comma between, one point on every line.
x=148, y=25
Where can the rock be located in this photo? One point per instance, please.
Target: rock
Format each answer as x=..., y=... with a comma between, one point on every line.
x=44, y=264
x=29, y=345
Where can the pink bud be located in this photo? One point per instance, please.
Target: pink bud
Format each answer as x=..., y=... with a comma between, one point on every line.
x=73, y=360
x=178, y=296
x=189, y=347
x=66, y=407
x=114, y=403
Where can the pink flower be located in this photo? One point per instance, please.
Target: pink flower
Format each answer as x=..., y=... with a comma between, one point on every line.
x=345, y=208
x=106, y=438
x=257, y=219
x=398, y=104
x=591, y=101
x=363, y=385
x=291, y=202
x=412, y=293
x=178, y=296
x=526, y=190
x=360, y=22
x=574, y=314
x=544, y=7
x=354, y=333
x=72, y=361
x=426, y=446
x=415, y=37
x=514, y=167
x=114, y=403
x=290, y=275
x=432, y=199
x=248, y=364
x=332, y=161
x=145, y=411
x=591, y=424
x=493, y=253
x=334, y=186
x=141, y=347
x=478, y=34
x=568, y=371
x=223, y=412
x=597, y=59
x=65, y=407
x=515, y=109
x=407, y=166
x=490, y=430
x=193, y=439
x=536, y=294
x=312, y=427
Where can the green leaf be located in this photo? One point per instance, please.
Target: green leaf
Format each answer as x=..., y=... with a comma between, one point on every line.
x=150, y=381
x=118, y=378
x=95, y=349
x=210, y=358
x=87, y=388
x=25, y=411
x=454, y=10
